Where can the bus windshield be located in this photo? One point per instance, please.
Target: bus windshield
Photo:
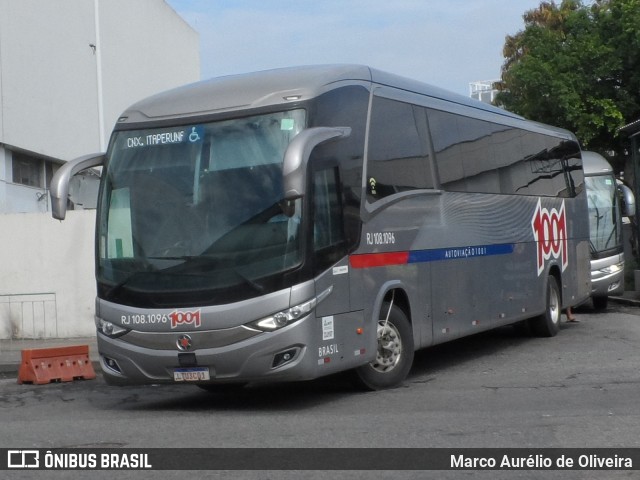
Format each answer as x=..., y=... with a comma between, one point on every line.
x=604, y=218
x=194, y=214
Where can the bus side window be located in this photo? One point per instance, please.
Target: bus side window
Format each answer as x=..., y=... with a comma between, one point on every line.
x=328, y=224
x=398, y=158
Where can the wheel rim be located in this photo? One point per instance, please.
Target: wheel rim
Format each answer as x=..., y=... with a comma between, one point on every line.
x=554, y=306
x=389, y=347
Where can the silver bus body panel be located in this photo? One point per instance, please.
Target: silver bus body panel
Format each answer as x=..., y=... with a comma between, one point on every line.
x=244, y=92
x=595, y=164
x=250, y=359
x=287, y=85
x=471, y=267
x=606, y=284
x=233, y=351
x=211, y=317
x=459, y=263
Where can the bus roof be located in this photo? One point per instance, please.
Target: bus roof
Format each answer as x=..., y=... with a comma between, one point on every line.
x=277, y=87
x=595, y=164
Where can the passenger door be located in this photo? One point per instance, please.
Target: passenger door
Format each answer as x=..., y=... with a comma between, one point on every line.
x=330, y=261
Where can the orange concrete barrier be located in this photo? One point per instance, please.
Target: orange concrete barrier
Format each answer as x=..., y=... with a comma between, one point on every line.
x=62, y=364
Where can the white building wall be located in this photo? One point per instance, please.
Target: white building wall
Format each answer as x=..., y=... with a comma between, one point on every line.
x=49, y=102
x=47, y=285
x=49, y=71
x=141, y=26
x=5, y=159
x=51, y=79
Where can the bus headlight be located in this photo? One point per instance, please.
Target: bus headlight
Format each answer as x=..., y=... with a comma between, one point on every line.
x=109, y=329
x=285, y=317
x=612, y=268
x=290, y=315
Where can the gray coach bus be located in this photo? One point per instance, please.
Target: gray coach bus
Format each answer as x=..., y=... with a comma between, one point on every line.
x=293, y=223
x=605, y=227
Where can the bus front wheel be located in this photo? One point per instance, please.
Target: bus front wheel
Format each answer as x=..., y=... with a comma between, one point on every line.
x=394, y=354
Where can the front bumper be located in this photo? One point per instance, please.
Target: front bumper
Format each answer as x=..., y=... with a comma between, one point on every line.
x=607, y=277
x=152, y=357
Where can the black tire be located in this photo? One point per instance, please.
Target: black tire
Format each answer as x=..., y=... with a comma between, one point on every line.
x=395, y=352
x=548, y=324
x=600, y=303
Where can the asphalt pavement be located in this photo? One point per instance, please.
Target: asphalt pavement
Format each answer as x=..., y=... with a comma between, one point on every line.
x=11, y=349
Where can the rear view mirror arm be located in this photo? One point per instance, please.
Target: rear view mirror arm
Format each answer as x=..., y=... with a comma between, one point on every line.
x=59, y=188
x=296, y=157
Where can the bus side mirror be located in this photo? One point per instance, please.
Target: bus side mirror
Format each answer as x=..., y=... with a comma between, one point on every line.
x=628, y=200
x=59, y=188
x=296, y=157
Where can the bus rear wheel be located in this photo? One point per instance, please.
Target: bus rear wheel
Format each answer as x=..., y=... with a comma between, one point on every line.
x=394, y=355
x=548, y=324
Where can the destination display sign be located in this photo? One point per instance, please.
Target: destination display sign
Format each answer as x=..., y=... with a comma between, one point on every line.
x=191, y=134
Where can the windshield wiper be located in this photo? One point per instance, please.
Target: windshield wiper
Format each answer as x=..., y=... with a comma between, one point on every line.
x=204, y=259
x=252, y=283
x=188, y=259
x=179, y=257
x=120, y=285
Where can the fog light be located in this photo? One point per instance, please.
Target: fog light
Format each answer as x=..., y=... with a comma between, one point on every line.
x=112, y=364
x=282, y=358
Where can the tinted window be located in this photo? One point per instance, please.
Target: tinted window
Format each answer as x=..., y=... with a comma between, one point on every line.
x=446, y=139
x=344, y=107
x=477, y=156
x=547, y=168
x=397, y=158
x=192, y=215
x=604, y=221
x=328, y=222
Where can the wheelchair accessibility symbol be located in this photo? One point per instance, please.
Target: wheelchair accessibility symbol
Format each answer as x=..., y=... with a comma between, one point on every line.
x=196, y=134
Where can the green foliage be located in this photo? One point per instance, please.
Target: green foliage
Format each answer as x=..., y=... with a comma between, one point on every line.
x=577, y=66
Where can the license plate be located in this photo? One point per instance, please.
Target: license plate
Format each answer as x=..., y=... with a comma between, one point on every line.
x=194, y=374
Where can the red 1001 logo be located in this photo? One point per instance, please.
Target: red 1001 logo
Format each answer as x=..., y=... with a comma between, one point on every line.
x=185, y=318
x=550, y=233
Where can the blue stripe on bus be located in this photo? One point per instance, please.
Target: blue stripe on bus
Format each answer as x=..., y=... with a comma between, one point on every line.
x=454, y=253
x=384, y=259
